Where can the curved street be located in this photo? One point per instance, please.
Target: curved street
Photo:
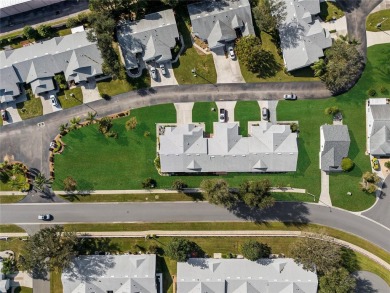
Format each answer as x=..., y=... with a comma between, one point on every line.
x=196, y=212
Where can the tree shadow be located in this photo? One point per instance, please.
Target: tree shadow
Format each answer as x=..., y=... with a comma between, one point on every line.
x=294, y=212
x=269, y=66
x=304, y=161
x=364, y=285
x=194, y=196
x=290, y=34
x=91, y=246
x=349, y=5
x=161, y=267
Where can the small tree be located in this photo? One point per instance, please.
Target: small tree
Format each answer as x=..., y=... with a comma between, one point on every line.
x=179, y=249
x=179, y=184
x=217, y=192
x=131, y=123
x=347, y=164
x=387, y=164
x=256, y=194
x=105, y=124
x=44, y=30
x=74, y=122
x=41, y=182
x=72, y=22
x=29, y=32
x=337, y=280
x=254, y=250
x=332, y=110
x=70, y=184
x=149, y=183
x=91, y=117
x=294, y=127
x=9, y=266
x=63, y=128
x=61, y=81
x=369, y=181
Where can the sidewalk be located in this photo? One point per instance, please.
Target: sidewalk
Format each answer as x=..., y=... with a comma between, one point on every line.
x=227, y=233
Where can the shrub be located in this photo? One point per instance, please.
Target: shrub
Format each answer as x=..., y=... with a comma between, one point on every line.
x=347, y=164
x=153, y=248
x=371, y=92
x=179, y=184
x=72, y=22
x=383, y=90
x=44, y=30
x=146, y=133
x=29, y=32
x=70, y=184
x=105, y=124
x=387, y=164
x=254, y=250
x=131, y=123
x=82, y=17
x=332, y=110
x=179, y=249
x=149, y=183
x=61, y=81
x=294, y=127
x=112, y=134
x=157, y=163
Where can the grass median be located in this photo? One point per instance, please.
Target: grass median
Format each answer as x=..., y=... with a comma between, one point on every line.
x=4, y=199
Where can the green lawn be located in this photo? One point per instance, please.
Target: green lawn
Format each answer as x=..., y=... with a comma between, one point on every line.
x=377, y=17
x=10, y=229
x=201, y=112
x=132, y=197
x=244, y=112
x=67, y=101
x=305, y=74
x=191, y=58
x=30, y=108
x=118, y=86
x=10, y=198
x=330, y=11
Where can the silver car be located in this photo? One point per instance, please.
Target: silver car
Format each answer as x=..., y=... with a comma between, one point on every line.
x=163, y=69
x=53, y=100
x=153, y=72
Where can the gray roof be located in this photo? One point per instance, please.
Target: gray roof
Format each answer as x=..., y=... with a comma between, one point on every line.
x=216, y=21
x=335, y=143
x=302, y=38
x=380, y=133
x=153, y=37
x=270, y=148
x=72, y=54
x=117, y=273
x=8, y=84
x=242, y=275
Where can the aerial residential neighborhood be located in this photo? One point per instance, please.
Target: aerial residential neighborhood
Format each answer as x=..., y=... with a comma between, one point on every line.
x=194, y=146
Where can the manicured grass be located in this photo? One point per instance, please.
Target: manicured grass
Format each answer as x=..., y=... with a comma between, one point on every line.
x=64, y=32
x=10, y=198
x=305, y=74
x=289, y=196
x=30, y=108
x=201, y=112
x=23, y=290
x=192, y=58
x=330, y=11
x=10, y=229
x=14, y=244
x=246, y=111
x=132, y=197
x=377, y=17
x=366, y=264
x=67, y=101
x=119, y=86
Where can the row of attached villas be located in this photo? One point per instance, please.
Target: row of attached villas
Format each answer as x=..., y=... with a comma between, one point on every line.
x=137, y=274
x=152, y=39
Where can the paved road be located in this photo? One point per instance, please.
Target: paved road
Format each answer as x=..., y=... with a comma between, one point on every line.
x=189, y=211
x=381, y=211
x=367, y=282
x=29, y=143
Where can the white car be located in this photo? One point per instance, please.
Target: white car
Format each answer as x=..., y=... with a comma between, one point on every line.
x=232, y=55
x=53, y=100
x=153, y=72
x=163, y=69
x=290, y=96
x=47, y=217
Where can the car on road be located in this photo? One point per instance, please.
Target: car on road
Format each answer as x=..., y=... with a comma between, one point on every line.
x=375, y=164
x=222, y=115
x=290, y=96
x=153, y=72
x=265, y=114
x=46, y=217
x=4, y=115
x=163, y=69
x=232, y=55
x=53, y=100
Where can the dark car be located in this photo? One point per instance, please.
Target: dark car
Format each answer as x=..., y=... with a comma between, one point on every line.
x=222, y=115
x=4, y=115
x=46, y=217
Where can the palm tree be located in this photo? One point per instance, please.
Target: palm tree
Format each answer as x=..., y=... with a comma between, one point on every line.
x=91, y=117
x=319, y=68
x=63, y=127
x=41, y=182
x=74, y=122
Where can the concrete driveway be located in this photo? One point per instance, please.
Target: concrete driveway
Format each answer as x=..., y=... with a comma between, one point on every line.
x=229, y=107
x=271, y=105
x=228, y=70
x=47, y=105
x=184, y=112
x=90, y=91
x=168, y=79
x=13, y=114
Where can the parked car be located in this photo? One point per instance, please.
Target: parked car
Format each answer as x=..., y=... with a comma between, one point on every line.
x=265, y=114
x=163, y=69
x=153, y=72
x=4, y=115
x=46, y=217
x=53, y=100
x=232, y=55
x=53, y=145
x=290, y=97
x=375, y=163
x=222, y=115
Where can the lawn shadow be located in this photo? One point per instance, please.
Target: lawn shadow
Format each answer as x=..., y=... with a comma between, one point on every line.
x=195, y=196
x=91, y=246
x=167, y=275
x=354, y=149
x=304, y=161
